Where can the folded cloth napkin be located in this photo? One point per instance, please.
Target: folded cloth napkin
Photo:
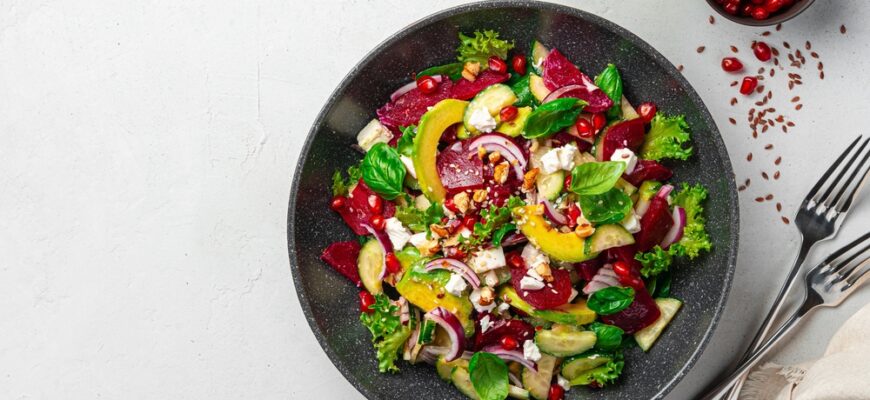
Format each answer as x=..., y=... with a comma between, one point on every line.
x=843, y=373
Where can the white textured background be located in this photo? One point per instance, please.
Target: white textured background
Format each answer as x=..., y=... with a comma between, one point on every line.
x=146, y=151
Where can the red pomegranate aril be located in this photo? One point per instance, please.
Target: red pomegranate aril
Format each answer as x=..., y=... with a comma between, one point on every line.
x=760, y=13
x=622, y=269
x=647, y=111
x=365, y=302
x=731, y=64
x=568, y=181
x=746, y=9
x=598, y=121
x=497, y=65
x=731, y=7
x=337, y=203
x=748, y=85
x=376, y=205
x=508, y=113
x=761, y=50
x=773, y=6
x=450, y=205
x=585, y=128
x=393, y=264
x=556, y=392
x=573, y=214
x=516, y=260
x=427, y=84
x=518, y=62
x=508, y=343
x=468, y=222
x=378, y=222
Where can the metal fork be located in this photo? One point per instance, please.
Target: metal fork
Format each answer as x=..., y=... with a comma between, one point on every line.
x=819, y=218
x=827, y=285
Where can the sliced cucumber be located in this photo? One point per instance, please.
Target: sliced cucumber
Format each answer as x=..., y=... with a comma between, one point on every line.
x=445, y=368
x=550, y=185
x=538, y=383
x=648, y=189
x=515, y=126
x=492, y=99
x=564, y=341
x=647, y=336
x=626, y=187
x=539, y=53
x=598, y=149
x=537, y=87
x=574, y=366
x=628, y=112
x=462, y=380
x=609, y=236
x=587, y=377
x=518, y=393
x=370, y=264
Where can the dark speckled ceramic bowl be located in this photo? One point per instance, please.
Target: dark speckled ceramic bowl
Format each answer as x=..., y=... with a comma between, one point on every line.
x=330, y=301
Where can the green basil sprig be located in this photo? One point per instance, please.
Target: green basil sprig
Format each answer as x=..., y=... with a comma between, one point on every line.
x=453, y=70
x=383, y=171
x=610, y=82
x=610, y=300
x=405, y=144
x=489, y=376
x=609, y=337
x=609, y=207
x=552, y=117
x=596, y=177
x=523, y=92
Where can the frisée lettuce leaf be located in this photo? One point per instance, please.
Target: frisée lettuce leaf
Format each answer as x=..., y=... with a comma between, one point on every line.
x=667, y=138
x=481, y=46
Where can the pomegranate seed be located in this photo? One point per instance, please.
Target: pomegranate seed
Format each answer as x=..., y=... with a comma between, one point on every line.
x=556, y=392
x=568, y=181
x=508, y=113
x=746, y=9
x=427, y=84
x=518, y=62
x=731, y=7
x=516, y=260
x=455, y=253
x=598, y=121
x=365, y=302
x=375, y=204
x=762, y=51
x=508, y=343
x=393, y=264
x=760, y=13
x=731, y=64
x=378, y=222
x=748, y=85
x=622, y=269
x=573, y=214
x=337, y=202
x=450, y=205
x=585, y=128
x=647, y=111
x=468, y=222
x=497, y=65
x=773, y=6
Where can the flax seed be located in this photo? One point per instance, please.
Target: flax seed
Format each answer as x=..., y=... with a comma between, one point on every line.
x=784, y=129
x=733, y=101
x=786, y=45
x=749, y=157
x=778, y=206
x=759, y=199
x=821, y=66
x=769, y=197
x=734, y=49
x=732, y=121
x=785, y=220
x=768, y=147
x=776, y=175
x=843, y=29
x=764, y=129
x=712, y=20
x=680, y=67
x=778, y=27
x=798, y=107
x=814, y=55
x=774, y=51
x=747, y=182
x=765, y=33
x=772, y=72
x=734, y=83
x=822, y=75
x=808, y=45
x=790, y=124
x=795, y=99
x=741, y=188
x=764, y=175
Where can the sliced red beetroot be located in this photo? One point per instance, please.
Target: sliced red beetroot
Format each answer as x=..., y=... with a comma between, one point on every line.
x=518, y=329
x=465, y=89
x=624, y=135
x=625, y=254
x=642, y=312
x=356, y=209
x=342, y=256
x=586, y=270
x=559, y=72
x=408, y=109
x=654, y=224
x=648, y=170
x=458, y=171
x=554, y=294
x=562, y=138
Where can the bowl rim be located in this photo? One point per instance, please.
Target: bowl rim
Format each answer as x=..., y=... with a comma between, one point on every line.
x=718, y=143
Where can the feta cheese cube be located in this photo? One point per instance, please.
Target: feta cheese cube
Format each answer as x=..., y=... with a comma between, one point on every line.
x=397, y=232
x=531, y=351
x=484, y=323
x=455, y=285
x=564, y=383
x=481, y=120
x=490, y=279
x=374, y=132
x=475, y=301
x=487, y=260
x=409, y=166
x=533, y=257
x=424, y=244
x=560, y=158
x=503, y=307
x=631, y=223
x=627, y=156
x=531, y=284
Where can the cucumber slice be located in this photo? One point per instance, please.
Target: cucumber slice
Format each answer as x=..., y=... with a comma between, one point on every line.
x=586, y=377
x=574, y=366
x=514, y=127
x=647, y=336
x=550, y=185
x=648, y=189
x=609, y=236
x=537, y=87
x=628, y=112
x=370, y=264
x=539, y=53
x=462, y=380
x=598, y=149
x=518, y=393
x=538, y=383
x=492, y=99
x=626, y=187
x=445, y=368
x=564, y=341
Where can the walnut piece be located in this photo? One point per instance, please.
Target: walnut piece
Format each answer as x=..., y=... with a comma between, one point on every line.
x=500, y=172
x=529, y=179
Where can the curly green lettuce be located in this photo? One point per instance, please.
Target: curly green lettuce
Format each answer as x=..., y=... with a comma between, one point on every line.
x=667, y=138
x=482, y=46
x=388, y=333
x=420, y=220
x=341, y=186
x=608, y=373
x=494, y=218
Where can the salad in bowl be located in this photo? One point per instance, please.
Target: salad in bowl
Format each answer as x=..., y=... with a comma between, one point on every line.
x=516, y=223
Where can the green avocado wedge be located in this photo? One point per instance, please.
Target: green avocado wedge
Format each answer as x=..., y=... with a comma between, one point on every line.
x=433, y=123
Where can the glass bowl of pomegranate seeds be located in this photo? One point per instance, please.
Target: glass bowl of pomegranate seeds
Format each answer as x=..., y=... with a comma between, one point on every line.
x=759, y=12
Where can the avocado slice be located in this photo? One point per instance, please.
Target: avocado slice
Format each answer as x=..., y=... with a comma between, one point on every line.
x=432, y=124
x=423, y=289
x=569, y=314
x=537, y=87
x=560, y=246
x=514, y=127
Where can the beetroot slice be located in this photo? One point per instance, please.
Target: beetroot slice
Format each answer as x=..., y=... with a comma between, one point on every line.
x=562, y=138
x=342, y=256
x=465, y=89
x=408, y=109
x=625, y=254
x=458, y=171
x=559, y=72
x=624, y=135
x=642, y=312
x=356, y=209
x=586, y=270
x=518, y=329
x=647, y=170
x=654, y=224
x=554, y=294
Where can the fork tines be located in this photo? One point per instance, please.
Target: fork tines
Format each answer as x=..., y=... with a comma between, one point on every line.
x=838, y=193
x=850, y=262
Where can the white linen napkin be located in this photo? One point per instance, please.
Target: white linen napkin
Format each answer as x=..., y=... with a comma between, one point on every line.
x=843, y=373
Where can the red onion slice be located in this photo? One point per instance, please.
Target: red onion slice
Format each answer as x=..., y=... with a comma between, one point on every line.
x=455, y=266
x=664, y=191
x=514, y=379
x=454, y=330
x=514, y=238
x=604, y=278
x=676, y=232
x=386, y=245
x=506, y=147
x=511, y=355
x=408, y=87
x=553, y=214
x=559, y=92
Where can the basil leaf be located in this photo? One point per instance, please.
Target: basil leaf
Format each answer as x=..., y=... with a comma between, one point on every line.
x=609, y=337
x=383, y=171
x=524, y=94
x=489, y=376
x=552, y=117
x=405, y=144
x=610, y=82
x=500, y=233
x=610, y=207
x=453, y=70
x=596, y=177
x=610, y=300
x=662, y=286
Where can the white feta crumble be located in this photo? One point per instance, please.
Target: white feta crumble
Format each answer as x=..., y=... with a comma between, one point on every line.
x=503, y=307
x=631, y=223
x=487, y=260
x=481, y=120
x=627, y=156
x=475, y=301
x=560, y=158
x=533, y=257
x=574, y=294
x=422, y=243
x=455, y=285
x=397, y=232
x=564, y=383
x=484, y=323
x=374, y=132
x=490, y=279
x=409, y=166
x=531, y=351
x=531, y=284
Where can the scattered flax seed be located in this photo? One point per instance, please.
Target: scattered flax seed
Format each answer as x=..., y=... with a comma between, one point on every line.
x=680, y=67
x=764, y=175
x=780, y=118
x=765, y=33
x=733, y=101
x=808, y=45
x=732, y=121
x=776, y=175
x=790, y=124
x=700, y=49
x=759, y=199
x=785, y=220
x=759, y=89
x=761, y=70
x=778, y=206
x=768, y=147
x=814, y=55
x=741, y=188
x=747, y=182
x=795, y=99
x=822, y=75
x=778, y=27
x=776, y=61
x=769, y=94
x=754, y=134
x=784, y=129
x=772, y=72
x=769, y=197
x=734, y=83
x=843, y=29
x=821, y=66
x=786, y=45
x=764, y=128
x=774, y=51
x=798, y=107
x=734, y=49
x=712, y=20
x=749, y=157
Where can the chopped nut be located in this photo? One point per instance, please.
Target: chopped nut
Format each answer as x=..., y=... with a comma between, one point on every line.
x=438, y=231
x=543, y=269
x=584, y=230
x=529, y=179
x=479, y=195
x=534, y=146
x=487, y=296
x=500, y=173
x=461, y=201
x=470, y=70
x=481, y=152
x=564, y=229
x=494, y=157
